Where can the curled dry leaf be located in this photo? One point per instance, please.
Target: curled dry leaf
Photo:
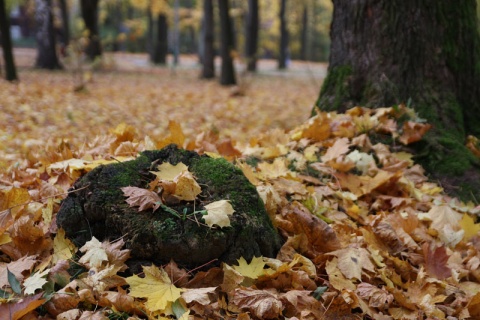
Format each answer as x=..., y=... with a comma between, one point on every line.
x=142, y=198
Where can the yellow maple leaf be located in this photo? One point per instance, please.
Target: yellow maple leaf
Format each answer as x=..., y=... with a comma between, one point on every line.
x=218, y=212
x=36, y=281
x=187, y=188
x=13, y=199
x=156, y=287
x=253, y=270
x=62, y=247
x=469, y=226
x=168, y=171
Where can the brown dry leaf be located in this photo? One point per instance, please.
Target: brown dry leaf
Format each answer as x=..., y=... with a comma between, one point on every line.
x=142, y=198
x=376, y=297
x=436, y=260
x=413, y=132
x=336, y=277
x=17, y=267
x=352, y=262
x=338, y=149
x=17, y=310
x=261, y=303
x=202, y=296
x=319, y=236
x=124, y=132
x=442, y=216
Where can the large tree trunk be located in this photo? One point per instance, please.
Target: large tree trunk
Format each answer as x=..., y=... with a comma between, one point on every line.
x=46, y=47
x=161, y=45
x=422, y=52
x=283, y=50
x=208, y=55
x=90, y=17
x=252, y=35
x=10, y=71
x=227, y=76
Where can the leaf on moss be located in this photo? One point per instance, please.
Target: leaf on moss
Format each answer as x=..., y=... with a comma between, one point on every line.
x=218, y=212
x=142, y=198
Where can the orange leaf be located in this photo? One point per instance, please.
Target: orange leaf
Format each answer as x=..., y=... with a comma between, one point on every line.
x=14, y=311
x=413, y=131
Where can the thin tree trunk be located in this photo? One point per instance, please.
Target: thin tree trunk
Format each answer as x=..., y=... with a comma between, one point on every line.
x=161, y=45
x=227, y=76
x=65, y=39
x=89, y=10
x=304, y=42
x=423, y=52
x=10, y=71
x=46, y=47
x=252, y=35
x=208, y=57
x=283, y=52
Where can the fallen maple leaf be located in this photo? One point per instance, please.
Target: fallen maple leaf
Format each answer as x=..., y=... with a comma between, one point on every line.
x=142, y=198
x=63, y=248
x=187, y=187
x=156, y=287
x=253, y=270
x=94, y=255
x=35, y=281
x=168, y=171
x=413, y=131
x=218, y=212
x=436, y=260
x=339, y=148
x=261, y=303
x=15, y=311
x=469, y=226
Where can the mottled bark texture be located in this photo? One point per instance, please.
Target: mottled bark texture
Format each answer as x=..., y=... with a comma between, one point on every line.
x=208, y=54
x=422, y=52
x=251, y=45
x=89, y=10
x=227, y=75
x=6, y=42
x=46, y=43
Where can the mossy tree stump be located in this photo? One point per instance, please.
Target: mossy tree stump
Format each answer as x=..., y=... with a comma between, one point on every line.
x=99, y=209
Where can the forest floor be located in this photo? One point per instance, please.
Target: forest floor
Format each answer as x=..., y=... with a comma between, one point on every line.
x=367, y=235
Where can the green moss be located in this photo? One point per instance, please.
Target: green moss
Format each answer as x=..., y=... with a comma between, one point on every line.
x=335, y=84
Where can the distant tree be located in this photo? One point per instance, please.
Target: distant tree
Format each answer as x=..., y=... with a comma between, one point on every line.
x=252, y=35
x=208, y=54
x=46, y=43
x=65, y=33
x=304, y=42
x=423, y=52
x=283, y=52
x=227, y=75
x=10, y=71
x=160, y=50
x=89, y=10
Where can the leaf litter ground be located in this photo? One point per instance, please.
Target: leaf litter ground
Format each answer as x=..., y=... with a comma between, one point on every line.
x=367, y=235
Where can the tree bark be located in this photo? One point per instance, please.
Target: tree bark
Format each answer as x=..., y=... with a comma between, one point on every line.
x=227, y=76
x=422, y=52
x=89, y=10
x=252, y=35
x=304, y=42
x=65, y=36
x=161, y=45
x=208, y=56
x=10, y=71
x=46, y=44
x=283, y=50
